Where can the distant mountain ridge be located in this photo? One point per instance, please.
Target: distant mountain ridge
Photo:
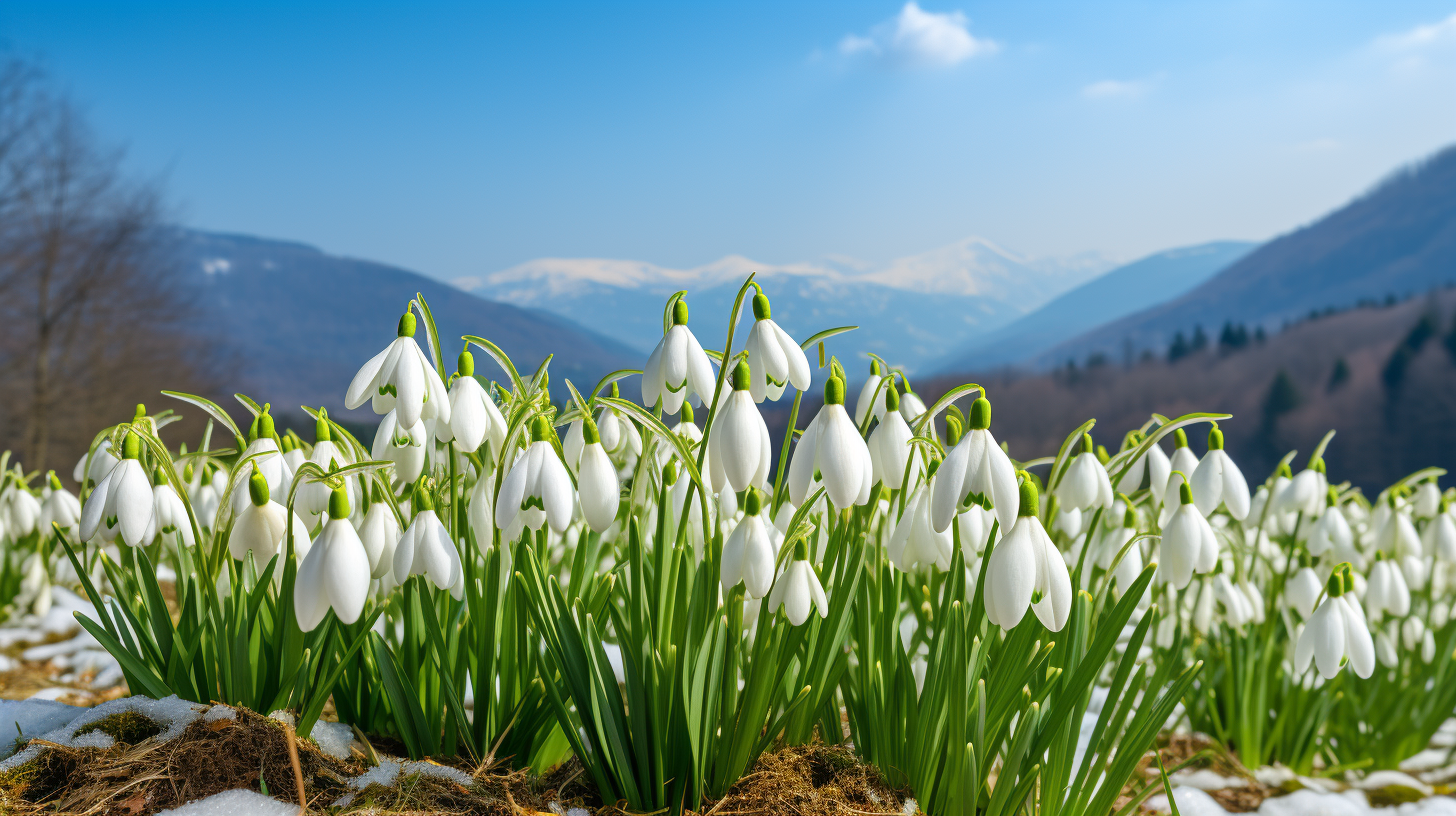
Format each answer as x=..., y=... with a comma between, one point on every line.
x=1126, y=289
x=910, y=311
x=298, y=323
x=1397, y=239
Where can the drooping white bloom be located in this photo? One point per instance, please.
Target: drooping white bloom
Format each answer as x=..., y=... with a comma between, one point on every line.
x=748, y=554
x=1305, y=493
x=102, y=461
x=537, y=480
x=425, y=549
x=1335, y=633
x=774, y=359
x=335, y=573
x=798, y=590
x=1236, y=607
x=871, y=397
x=1026, y=569
x=678, y=368
x=60, y=507
x=1386, y=590
x=1303, y=590
x=1427, y=500
x=1085, y=484
x=975, y=466
x=832, y=448
x=1112, y=544
x=313, y=497
x=1331, y=531
x=1440, y=537
x=1184, y=461
x=1154, y=464
x=975, y=527
x=739, y=451
x=263, y=525
x=405, y=446
x=474, y=417
x=598, y=489
x=1189, y=544
x=911, y=406
x=914, y=542
x=263, y=443
x=122, y=502
x=1397, y=535
x=890, y=446
x=402, y=379
x=1217, y=480
x=379, y=535
x=169, y=513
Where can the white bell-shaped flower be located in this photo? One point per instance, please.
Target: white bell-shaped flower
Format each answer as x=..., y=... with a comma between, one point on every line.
x=405, y=446
x=379, y=535
x=1026, y=570
x=871, y=397
x=538, y=480
x=1427, y=501
x=1184, y=460
x=263, y=439
x=480, y=510
x=60, y=507
x=1153, y=464
x=678, y=368
x=774, y=359
x=22, y=509
x=1335, y=633
x=474, y=417
x=1303, y=590
x=975, y=467
x=425, y=549
x=1331, y=531
x=598, y=489
x=1386, y=590
x=1236, y=607
x=169, y=513
x=1189, y=544
x=748, y=554
x=739, y=451
x=1439, y=538
x=293, y=455
x=797, y=589
x=1085, y=484
x=102, y=461
x=832, y=448
x=1306, y=493
x=401, y=378
x=890, y=446
x=1397, y=535
x=975, y=527
x=912, y=408
x=313, y=497
x=914, y=542
x=1217, y=480
x=262, y=527
x=122, y=501
x=335, y=573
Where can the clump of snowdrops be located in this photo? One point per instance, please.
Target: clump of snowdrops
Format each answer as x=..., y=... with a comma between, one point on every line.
x=522, y=571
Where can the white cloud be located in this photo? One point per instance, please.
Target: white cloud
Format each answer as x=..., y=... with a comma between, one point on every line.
x=1427, y=34
x=919, y=37
x=1115, y=89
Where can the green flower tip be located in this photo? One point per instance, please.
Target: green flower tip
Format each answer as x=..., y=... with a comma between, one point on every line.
x=1030, y=498
x=339, y=503
x=680, y=312
x=1284, y=470
x=141, y=412
x=266, y=429
x=834, y=391
x=376, y=495
x=1087, y=445
x=616, y=392
x=1336, y=584
x=540, y=429
x=801, y=550
x=1102, y=455
x=131, y=447
x=753, y=502
x=187, y=472
x=407, y=324
x=740, y=376
x=1185, y=493
x=1332, y=496
x=55, y=483
x=465, y=364
x=761, y=309
x=424, y=499
x=589, y=432
x=669, y=472
x=980, y=418
x=1344, y=570
x=1215, y=439
x=892, y=398
x=321, y=430
x=875, y=367
x=931, y=468
x=158, y=477
x=1180, y=439
x=685, y=414
x=952, y=430
x=258, y=489
x=1129, y=518
x=1318, y=465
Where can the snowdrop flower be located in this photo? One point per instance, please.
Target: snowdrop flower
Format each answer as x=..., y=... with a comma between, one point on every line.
x=678, y=368
x=263, y=439
x=798, y=588
x=975, y=527
x=426, y=549
x=1126, y=570
x=1237, y=609
x=1305, y=493
x=1397, y=534
x=23, y=510
x=401, y=378
x=1027, y=570
x=314, y=497
x=1303, y=590
x=335, y=573
x=890, y=445
x=748, y=554
x=914, y=542
x=262, y=527
x=1385, y=650
x=379, y=535
x=911, y=406
x=832, y=448
x=1440, y=535
x=169, y=513
x=1189, y=544
x=60, y=507
x=1069, y=521
x=122, y=501
x=474, y=417
x=976, y=466
x=1331, y=531
x=774, y=359
x=1386, y=590
x=293, y=455
x=102, y=461
x=1335, y=634
x=1184, y=460
x=405, y=446
x=538, y=480
x=739, y=451
x=1427, y=500
x=597, y=487
x=1085, y=484
x=871, y=397
x=1217, y=480
x=1153, y=464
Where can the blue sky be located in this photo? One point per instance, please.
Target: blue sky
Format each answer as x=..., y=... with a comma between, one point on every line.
x=462, y=139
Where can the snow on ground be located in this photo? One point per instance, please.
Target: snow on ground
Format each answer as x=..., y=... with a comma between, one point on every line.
x=172, y=714
x=235, y=803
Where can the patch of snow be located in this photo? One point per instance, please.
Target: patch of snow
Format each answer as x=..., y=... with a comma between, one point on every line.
x=911, y=807
x=334, y=739
x=285, y=717
x=172, y=714
x=1207, y=780
x=31, y=718
x=53, y=693
x=1275, y=776
x=1313, y=803
x=1381, y=779
x=1191, y=802
x=235, y=803
x=220, y=712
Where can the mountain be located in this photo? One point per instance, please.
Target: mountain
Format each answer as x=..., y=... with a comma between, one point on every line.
x=295, y=324
x=1396, y=240
x=1124, y=290
x=909, y=311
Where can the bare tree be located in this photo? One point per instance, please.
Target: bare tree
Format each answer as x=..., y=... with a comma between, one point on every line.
x=92, y=312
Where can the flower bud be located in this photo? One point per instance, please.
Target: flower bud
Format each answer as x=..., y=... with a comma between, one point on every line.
x=801, y=550
x=465, y=363
x=685, y=414
x=952, y=431
x=131, y=447
x=761, y=308
x=1336, y=584
x=141, y=412
x=669, y=473
x=540, y=429
x=1030, y=501
x=1185, y=493
x=1180, y=439
x=157, y=477
x=753, y=502
x=258, y=488
x=980, y=417
x=680, y=312
x=407, y=324
x=740, y=376
x=892, y=398
x=321, y=430
x=1215, y=439
x=1087, y=446
x=834, y=391
x=55, y=483
x=589, y=433
x=339, y=503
